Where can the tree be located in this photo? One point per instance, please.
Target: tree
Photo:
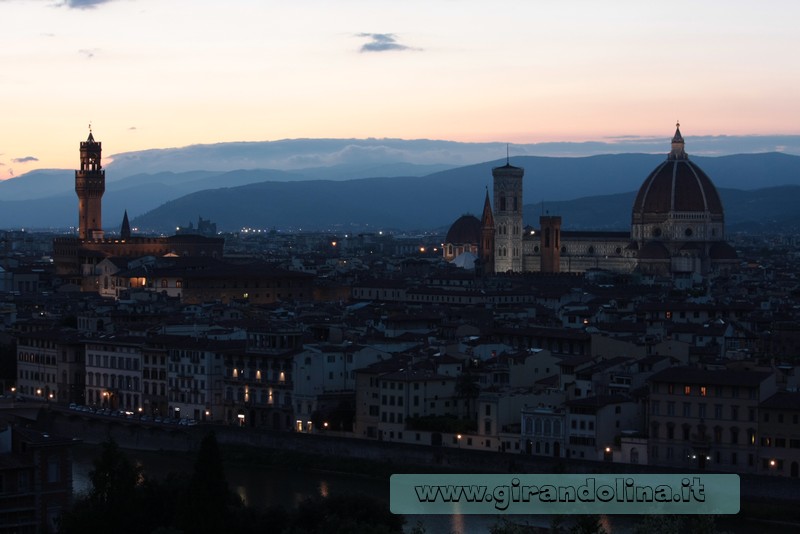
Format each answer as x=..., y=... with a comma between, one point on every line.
x=587, y=524
x=114, y=498
x=345, y=514
x=206, y=506
x=507, y=527
x=114, y=477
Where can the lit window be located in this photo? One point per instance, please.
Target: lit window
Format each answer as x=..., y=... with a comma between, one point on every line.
x=687, y=390
x=703, y=391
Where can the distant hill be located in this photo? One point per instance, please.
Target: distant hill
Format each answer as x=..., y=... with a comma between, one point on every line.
x=356, y=205
x=769, y=209
x=599, y=190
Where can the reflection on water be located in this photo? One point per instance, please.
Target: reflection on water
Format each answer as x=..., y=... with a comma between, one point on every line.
x=259, y=486
x=263, y=486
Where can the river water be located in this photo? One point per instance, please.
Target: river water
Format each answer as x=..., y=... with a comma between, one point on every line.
x=264, y=486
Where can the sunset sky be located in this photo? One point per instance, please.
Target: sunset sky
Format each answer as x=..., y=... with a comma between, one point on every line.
x=164, y=73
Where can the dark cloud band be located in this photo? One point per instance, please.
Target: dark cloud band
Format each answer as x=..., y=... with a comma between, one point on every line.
x=381, y=42
x=84, y=4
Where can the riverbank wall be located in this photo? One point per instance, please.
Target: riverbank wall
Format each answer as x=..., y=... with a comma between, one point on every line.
x=397, y=457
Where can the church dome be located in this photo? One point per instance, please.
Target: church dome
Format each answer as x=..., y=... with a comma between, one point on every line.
x=654, y=250
x=677, y=185
x=466, y=230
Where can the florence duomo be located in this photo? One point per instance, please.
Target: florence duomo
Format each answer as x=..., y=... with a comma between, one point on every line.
x=677, y=229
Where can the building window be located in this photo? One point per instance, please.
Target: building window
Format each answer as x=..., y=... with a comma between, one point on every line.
x=687, y=390
x=654, y=405
x=703, y=391
x=53, y=470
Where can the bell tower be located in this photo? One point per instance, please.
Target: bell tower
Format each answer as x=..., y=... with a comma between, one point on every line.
x=550, y=243
x=90, y=184
x=508, y=218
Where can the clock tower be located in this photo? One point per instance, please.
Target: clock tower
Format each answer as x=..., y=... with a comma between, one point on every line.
x=90, y=184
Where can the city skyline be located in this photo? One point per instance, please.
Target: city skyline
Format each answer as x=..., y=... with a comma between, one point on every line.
x=158, y=75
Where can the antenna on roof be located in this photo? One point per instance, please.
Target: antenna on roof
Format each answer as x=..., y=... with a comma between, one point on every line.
x=507, y=160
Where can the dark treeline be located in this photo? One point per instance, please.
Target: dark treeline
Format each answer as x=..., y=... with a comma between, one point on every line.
x=123, y=500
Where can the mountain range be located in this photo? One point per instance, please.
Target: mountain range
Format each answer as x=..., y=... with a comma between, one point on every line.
x=594, y=192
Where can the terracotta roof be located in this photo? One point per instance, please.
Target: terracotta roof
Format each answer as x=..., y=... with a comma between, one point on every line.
x=783, y=400
x=466, y=230
x=693, y=375
x=677, y=185
x=654, y=250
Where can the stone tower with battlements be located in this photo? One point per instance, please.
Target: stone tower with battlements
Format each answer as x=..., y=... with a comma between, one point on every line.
x=90, y=184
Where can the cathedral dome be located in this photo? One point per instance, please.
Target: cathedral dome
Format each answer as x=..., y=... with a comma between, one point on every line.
x=654, y=250
x=466, y=230
x=677, y=186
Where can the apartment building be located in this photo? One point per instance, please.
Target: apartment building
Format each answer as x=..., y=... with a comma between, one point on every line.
x=258, y=380
x=114, y=372
x=195, y=376
x=707, y=419
x=50, y=365
x=779, y=434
